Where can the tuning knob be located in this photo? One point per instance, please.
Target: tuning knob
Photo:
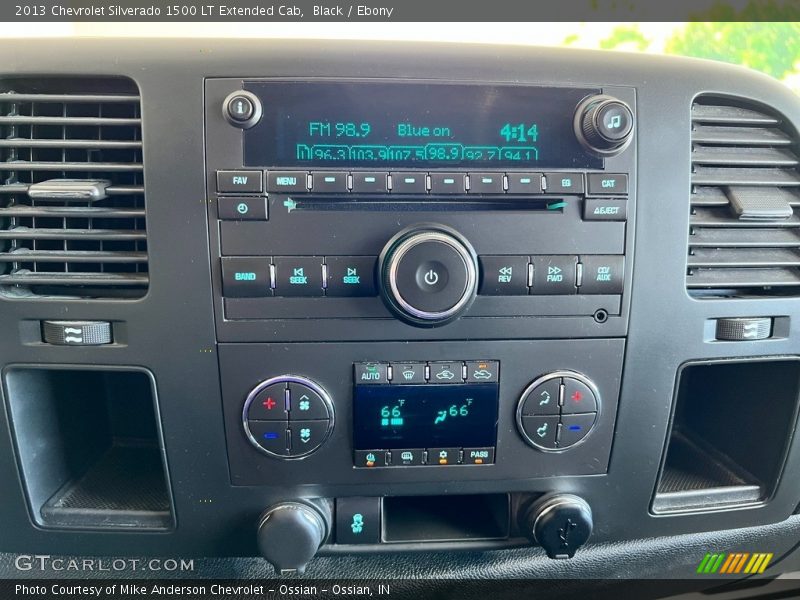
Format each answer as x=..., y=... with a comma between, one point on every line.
x=290, y=533
x=604, y=125
x=559, y=523
x=429, y=275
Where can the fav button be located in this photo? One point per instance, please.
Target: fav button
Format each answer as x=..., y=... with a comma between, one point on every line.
x=239, y=181
x=298, y=276
x=578, y=398
x=358, y=520
x=351, y=275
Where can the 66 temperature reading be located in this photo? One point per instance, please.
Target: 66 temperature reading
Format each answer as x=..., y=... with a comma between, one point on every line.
x=453, y=412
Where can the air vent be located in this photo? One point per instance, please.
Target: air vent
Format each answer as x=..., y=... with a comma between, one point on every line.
x=744, y=228
x=72, y=216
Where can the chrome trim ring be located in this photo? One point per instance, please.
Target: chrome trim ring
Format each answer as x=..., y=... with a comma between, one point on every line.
x=540, y=380
x=286, y=379
x=415, y=239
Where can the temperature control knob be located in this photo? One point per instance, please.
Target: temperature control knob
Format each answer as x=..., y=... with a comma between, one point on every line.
x=290, y=533
x=559, y=523
x=604, y=125
x=429, y=274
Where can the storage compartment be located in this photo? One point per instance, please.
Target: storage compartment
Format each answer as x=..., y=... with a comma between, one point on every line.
x=445, y=518
x=89, y=447
x=731, y=428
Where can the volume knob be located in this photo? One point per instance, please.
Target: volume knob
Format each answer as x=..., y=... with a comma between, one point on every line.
x=604, y=125
x=429, y=275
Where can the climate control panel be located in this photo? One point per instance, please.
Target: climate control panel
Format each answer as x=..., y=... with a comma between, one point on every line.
x=288, y=416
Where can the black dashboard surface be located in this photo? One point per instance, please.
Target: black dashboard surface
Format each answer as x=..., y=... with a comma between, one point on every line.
x=202, y=363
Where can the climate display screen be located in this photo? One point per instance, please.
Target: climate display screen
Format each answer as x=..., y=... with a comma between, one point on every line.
x=415, y=125
x=425, y=416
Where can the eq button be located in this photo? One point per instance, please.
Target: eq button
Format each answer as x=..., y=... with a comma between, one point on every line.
x=564, y=183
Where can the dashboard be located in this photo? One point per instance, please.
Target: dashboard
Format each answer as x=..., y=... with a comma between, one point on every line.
x=301, y=299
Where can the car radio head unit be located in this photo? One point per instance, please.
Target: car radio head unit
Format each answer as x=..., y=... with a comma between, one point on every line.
x=415, y=125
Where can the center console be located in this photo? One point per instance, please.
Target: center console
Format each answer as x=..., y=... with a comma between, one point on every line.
x=374, y=216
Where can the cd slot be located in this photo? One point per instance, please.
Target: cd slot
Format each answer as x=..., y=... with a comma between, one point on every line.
x=426, y=203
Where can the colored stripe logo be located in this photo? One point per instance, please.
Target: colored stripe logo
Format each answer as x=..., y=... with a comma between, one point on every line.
x=723, y=563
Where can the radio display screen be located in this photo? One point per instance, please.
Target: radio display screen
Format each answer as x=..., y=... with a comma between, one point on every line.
x=425, y=416
x=415, y=125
